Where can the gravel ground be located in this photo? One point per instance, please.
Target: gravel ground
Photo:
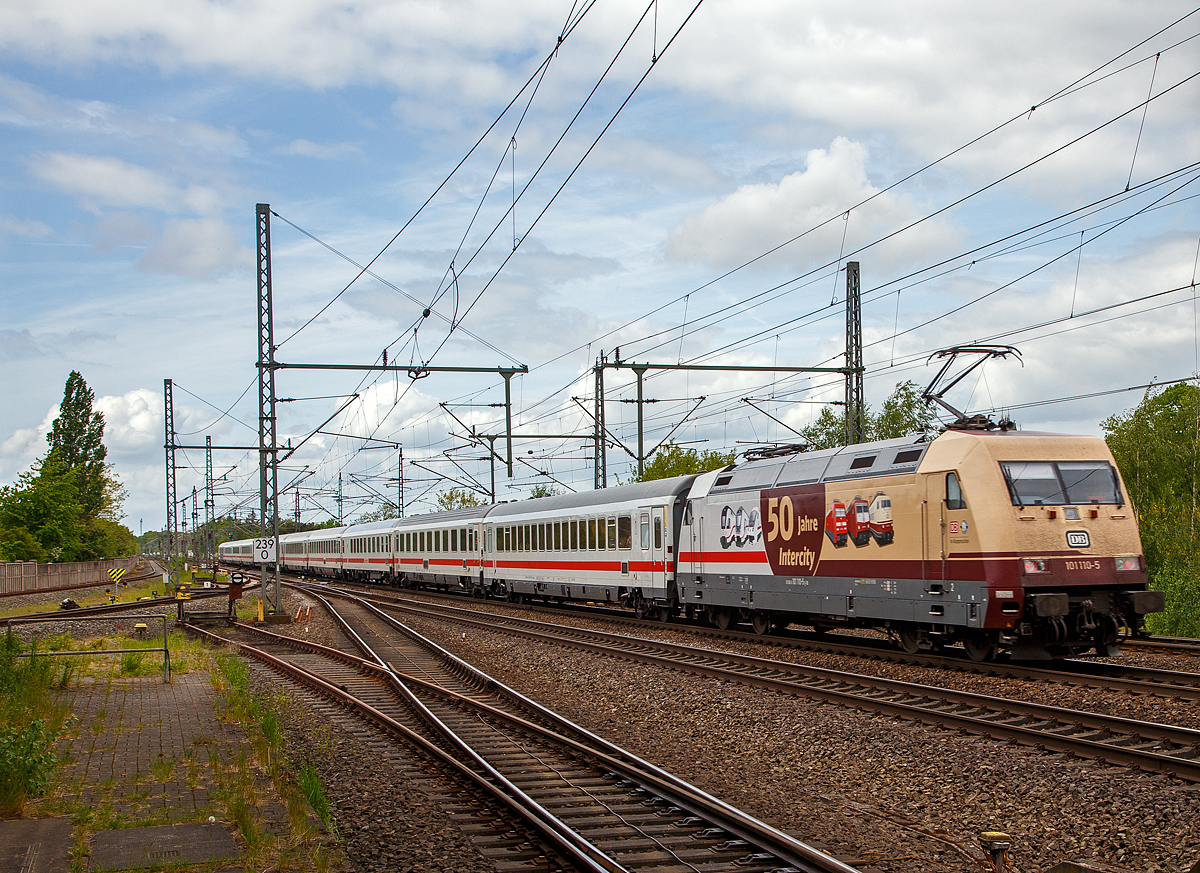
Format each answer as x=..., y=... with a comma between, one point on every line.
x=384, y=821
x=868, y=786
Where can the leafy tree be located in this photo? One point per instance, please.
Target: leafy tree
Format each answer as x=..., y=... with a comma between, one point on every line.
x=674, y=460
x=43, y=507
x=382, y=513
x=67, y=507
x=903, y=413
x=1157, y=448
x=458, y=498
x=77, y=443
x=543, y=490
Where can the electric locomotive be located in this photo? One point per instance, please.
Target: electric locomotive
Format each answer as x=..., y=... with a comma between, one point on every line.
x=1011, y=541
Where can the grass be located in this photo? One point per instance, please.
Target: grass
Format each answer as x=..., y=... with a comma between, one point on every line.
x=30, y=721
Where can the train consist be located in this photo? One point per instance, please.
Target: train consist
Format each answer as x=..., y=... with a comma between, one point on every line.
x=1002, y=541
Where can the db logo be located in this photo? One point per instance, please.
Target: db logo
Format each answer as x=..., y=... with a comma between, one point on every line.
x=1078, y=539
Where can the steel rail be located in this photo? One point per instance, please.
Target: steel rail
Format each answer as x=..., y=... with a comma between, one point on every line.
x=1107, y=676
x=1027, y=723
x=742, y=833
x=320, y=685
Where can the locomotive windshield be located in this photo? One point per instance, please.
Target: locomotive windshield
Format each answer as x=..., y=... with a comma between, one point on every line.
x=1058, y=483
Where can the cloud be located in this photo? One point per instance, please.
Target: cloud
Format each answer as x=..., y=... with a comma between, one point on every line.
x=26, y=445
x=28, y=228
x=198, y=248
x=133, y=421
x=99, y=181
x=758, y=217
x=307, y=149
x=121, y=229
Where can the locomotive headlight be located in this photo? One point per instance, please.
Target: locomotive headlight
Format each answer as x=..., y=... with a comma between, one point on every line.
x=1036, y=565
x=1128, y=564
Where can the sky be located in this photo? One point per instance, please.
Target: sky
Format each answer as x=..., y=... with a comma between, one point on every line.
x=536, y=184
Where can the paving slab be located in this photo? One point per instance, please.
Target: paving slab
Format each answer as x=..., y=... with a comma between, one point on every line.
x=37, y=845
x=137, y=848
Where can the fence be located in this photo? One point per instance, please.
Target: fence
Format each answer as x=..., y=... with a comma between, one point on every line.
x=22, y=577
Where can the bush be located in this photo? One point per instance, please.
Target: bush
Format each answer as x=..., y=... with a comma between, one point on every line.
x=26, y=763
x=1181, y=618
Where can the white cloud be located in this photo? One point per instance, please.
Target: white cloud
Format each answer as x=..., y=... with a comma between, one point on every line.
x=200, y=248
x=28, y=228
x=307, y=149
x=25, y=445
x=133, y=421
x=758, y=217
x=99, y=181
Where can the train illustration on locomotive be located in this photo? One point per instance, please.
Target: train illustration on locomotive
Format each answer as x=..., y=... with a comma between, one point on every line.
x=1003, y=541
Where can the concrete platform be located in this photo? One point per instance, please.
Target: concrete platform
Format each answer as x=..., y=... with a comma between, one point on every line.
x=138, y=848
x=39, y=845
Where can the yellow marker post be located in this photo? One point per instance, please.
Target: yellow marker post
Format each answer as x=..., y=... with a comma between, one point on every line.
x=260, y=611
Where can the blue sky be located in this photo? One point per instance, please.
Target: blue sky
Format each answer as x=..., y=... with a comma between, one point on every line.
x=139, y=137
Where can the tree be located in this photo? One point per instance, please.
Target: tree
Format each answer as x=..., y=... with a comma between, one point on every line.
x=77, y=443
x=40, y=516
x=673, y=460
x=67, y=507
x=1157, y=448
x=458, y=498
x=903, y=413
x=543, y=490
x=382, y=513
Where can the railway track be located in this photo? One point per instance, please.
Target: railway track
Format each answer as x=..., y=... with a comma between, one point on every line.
x=1140, y=745
x=1165, y=645
x=114, y=608
x=1094, y=674
x=600, y=807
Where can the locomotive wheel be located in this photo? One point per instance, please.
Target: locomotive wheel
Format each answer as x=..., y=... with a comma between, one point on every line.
x=666, y=613
x=979, y=647
x=722, y=618
x=761, y=622
x=910, y=640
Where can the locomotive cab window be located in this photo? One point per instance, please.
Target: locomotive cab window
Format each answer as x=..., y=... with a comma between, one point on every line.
x=954, y=495
x=1058, y=483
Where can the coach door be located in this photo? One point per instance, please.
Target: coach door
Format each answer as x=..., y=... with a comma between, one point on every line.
x=653, y=542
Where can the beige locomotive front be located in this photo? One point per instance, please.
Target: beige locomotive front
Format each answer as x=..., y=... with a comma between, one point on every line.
x=937, y=541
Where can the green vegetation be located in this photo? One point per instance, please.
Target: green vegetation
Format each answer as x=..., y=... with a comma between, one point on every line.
x=1157, y=448
x=903, y=413
x=674, y=460
x=458, y=498
x=29, y=724
x=261, y=717
x=67, y=506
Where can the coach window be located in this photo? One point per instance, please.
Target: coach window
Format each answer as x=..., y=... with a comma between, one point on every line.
x=954, y=495
x=558, y=540
x=454, y=540
x=573, y=530
x=658, y=533
x=541, y=537
x=462, y=538
x=644, y=530
x=591, y=539
x=624, y=532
